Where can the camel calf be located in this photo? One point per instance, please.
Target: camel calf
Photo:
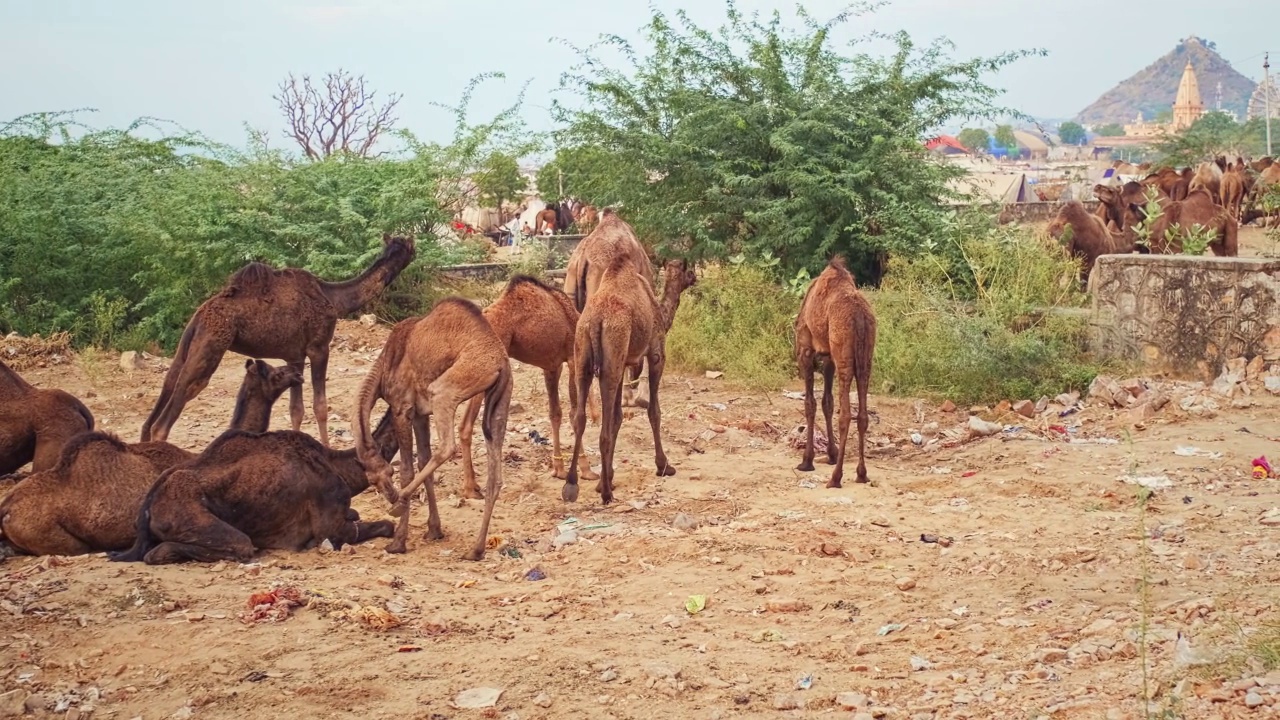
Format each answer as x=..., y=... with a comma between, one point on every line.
x=835, y=332
x=36, y=423
x=89, y=502
x=428, y=367
x=622, y=326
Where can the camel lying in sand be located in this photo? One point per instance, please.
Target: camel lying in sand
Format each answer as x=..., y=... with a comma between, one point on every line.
x=36, y=423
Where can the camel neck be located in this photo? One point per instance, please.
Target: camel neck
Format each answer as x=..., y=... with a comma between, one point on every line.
x=349, y=296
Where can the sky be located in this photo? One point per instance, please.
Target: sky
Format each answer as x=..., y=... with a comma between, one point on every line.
x=213, y=65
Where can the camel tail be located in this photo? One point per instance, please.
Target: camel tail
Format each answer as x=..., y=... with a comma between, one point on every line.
x=83, y=410
x=175, y=371
x=491, y=397
x=864, y=332
x=597, y=347
x=580, y=286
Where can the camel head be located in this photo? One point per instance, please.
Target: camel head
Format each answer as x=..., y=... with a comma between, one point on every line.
x=266, y=381
x=406, y=241
x=680, y=273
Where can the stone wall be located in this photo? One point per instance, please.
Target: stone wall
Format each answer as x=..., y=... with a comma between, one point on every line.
x=1034, y=212
x=1185, y=315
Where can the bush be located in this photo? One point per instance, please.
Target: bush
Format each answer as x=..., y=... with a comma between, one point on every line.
x=980, y=318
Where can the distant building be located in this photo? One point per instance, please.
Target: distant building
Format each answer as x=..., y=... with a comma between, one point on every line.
x=1187, y=106
x=1141, y=128
x=1257, y=103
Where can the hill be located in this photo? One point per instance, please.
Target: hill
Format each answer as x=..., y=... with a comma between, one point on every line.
x=1153, y=88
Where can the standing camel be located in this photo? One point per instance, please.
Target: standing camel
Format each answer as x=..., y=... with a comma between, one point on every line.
x=428, y=367
x=35, y=423
x=536, y=325
x=262, y=312
x=835, y=332
x=622, y=325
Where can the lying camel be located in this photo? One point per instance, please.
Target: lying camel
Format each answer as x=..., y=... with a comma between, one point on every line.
x=279, y=490
x=836, y=333
x=36, y=423
x=89, y=502
x=1089, y=238
x=536, y=325
x=263, y=312
x=622, y=325
x=428, y=367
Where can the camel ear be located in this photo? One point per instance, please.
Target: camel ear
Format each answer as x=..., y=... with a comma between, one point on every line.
x=248, y=364
x=386, y=238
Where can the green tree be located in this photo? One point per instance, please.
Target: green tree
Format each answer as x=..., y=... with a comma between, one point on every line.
x=1005, y=138
x=756, y=138
x=976, y=139
x=1072, y=133
x=578, y=169
x=1212, y=135
x=499, y=179
x=1111, y=130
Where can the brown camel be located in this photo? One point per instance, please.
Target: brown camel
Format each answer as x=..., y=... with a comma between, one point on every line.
x=587, y=218
x=545, y=219
x=1114, y=202
x=622, y=325
x=1089, y=238
x=611, y=238
x=835, y=333
x=1208, y=177
x=285, y=314
x=35, y=423
x=1233, y=188
x=278, y=490
x=536, y=326
x=89, y=502
x=428, y=367
x=1197, y=209
x=1172, y=183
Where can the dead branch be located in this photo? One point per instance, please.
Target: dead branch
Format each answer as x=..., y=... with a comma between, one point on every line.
x=338, y=115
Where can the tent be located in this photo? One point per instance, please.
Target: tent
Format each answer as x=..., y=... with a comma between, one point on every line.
x=991, y=187
x=947, y=145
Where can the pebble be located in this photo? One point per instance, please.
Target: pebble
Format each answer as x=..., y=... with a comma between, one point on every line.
x=218, y=669
x=684, y=522
x=1051, y=655
x=609, y=675
x=919, y=663
x=787, y=702
x=543, y=700
x=1253, y=699
x=905, y=583
x=1098, y=627
x=1192, y=562
x=851, y=700
x=981, y=428
x=568, y=537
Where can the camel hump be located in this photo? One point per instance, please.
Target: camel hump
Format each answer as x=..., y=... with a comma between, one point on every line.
x=253, y=279
x=82, y=441
x=518, y=281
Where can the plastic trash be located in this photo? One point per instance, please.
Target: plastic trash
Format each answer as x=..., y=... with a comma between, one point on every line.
x=1262, y=469
x=891, y=627
x=805, y=682
x=534, y=575
x=695, y=604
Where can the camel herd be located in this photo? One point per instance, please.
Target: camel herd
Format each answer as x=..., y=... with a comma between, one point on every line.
x=1216, y=196
x=253, y=488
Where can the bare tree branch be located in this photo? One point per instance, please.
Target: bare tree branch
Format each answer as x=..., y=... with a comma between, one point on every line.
x=337, y=116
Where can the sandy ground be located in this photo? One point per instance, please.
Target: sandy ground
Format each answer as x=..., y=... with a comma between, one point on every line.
x=818, y=602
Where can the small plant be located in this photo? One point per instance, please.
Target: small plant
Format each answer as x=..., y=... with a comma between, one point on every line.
x=1197, y=238
x=1154, y=211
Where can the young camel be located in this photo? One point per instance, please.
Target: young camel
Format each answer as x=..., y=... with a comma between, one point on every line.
x=36, y=423
x=622, y=325
x=428, y=367
x=285, y=314
x=536, y=326
x=835, y=332
x=89, y=502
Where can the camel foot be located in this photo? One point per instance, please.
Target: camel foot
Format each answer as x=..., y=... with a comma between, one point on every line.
x=805, y=466
x=862, y=478
x=606, y=497
x=831, y=460
x=472, y=493
x=474, y=554
x=434, y=533
x=666, y=470
x=834, y=483
x=569, y=493
x=396, y=547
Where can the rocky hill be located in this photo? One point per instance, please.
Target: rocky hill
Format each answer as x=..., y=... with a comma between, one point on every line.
x=1153, y=88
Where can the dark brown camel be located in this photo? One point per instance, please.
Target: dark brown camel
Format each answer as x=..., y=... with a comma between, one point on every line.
x=428, y=367
x=89, y=502
x=1234, y=182
x=622, y=325
x=1197, y=209
x=1089, y=237
x=246, y=492
x=35, y=423
x=536, y=325
x=835, y=333
x=285, y=314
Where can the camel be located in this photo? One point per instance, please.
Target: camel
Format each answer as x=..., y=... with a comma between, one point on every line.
x=285, y=314
x=1233, y=188
x=89, y=502
x=279, y=490
x=1113, y=203
x=1208, y=177
x=35, y=423
x=536, y=326
x=611, y=238
x=1197, y=209
x=1090, y=238
x=429, y=366
x=622, y=325
x=835, y=333
x=1171, y=183
x=587, y=217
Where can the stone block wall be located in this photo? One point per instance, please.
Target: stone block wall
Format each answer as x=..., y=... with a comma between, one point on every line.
x=1185, y=315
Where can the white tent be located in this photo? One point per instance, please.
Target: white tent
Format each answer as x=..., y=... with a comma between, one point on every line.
x=992, y=187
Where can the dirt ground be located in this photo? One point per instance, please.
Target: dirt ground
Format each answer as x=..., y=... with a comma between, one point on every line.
x=1002, y=577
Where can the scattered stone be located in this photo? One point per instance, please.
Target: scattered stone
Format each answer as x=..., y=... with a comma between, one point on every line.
x=1051, y=655
x=218, y=668
x=905, y=583
x=609, y=675
x=714, y=374
x=1271, y=518
x=568, y=537
x=1025, y=408
x=477, y=698
x=981, y=428
x=1067, y=399
x=684, y=522
x=1191, y=561
x=1272, y=384
x=13, y=703
x=950, y=407
x=787, y=701
x=1253, y=699
x=130, y=361
x=369, y=320
x=919, y=664
x=1105, y=389
x=851, y=700
x=1042, y=404
x=543, y=700
x=1098, y=627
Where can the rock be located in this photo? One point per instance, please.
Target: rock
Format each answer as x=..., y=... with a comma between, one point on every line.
x=1272, y=384
x=1042, y=404
x=1051, y=655
x=130, y=361
x=1002, y=407
x=1067, y=399
x=13, y=703
x=905, y=583
x=918, y=663
x=684, y=522
x=1025, y=408
x=1106, y=390
x=183, y=713
x=369, y=320
x=1191, y=561
x=609, y=675
x=950, y=407
x=851, y=700
x=929, y=429
x=568, y=537
x=1098, y=627
x=218, y=668
x=35, y=703
x=1253, y=699
x=1271, y=518
x=662, y=671
x=981, y=428
x=714, y=374
x=477, y=698
x=787, y=701
x=543, y=700
x=1134, y=386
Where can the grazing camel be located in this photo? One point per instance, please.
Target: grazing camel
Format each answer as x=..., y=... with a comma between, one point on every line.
x=35, y=423
x=836, y=333
x=1089, y=239
x=1197, y=209
x=428, y=367
x=536, y=326
x=611, y=238
x=621, y=326
x=279, y=490
x=89, y=502
x=285, y=314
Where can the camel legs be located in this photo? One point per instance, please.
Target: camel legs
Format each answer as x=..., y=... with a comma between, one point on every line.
x=319, y=400
x=656, y=365
x=810, y=409
x=828, y=405
x=493, y=452
x=581, y=377
x=200, y=365
x=205, y=538
x=405, y=431
x=610, y=424
x=584, y=467
x=466, y=428
x=295, y=398
x=846, y=379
